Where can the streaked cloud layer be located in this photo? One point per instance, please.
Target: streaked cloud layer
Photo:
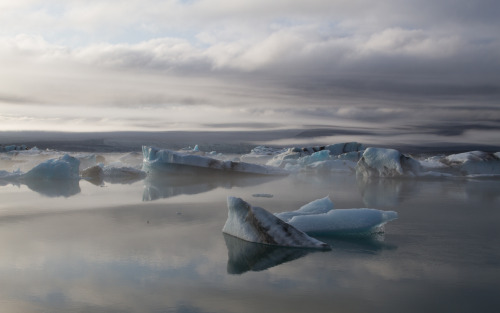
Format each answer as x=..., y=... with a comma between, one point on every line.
x=132, y=65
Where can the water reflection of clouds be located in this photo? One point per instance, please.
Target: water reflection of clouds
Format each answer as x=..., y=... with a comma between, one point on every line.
x=112, y=259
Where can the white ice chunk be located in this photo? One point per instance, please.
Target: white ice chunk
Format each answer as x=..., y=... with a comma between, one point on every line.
x=318, y=206
x=382, y=162
x=255, y=224
x=344, y=222
x=65, y=167
x=177, y=161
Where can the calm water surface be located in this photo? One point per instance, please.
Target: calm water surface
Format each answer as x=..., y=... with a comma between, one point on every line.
x=156, y=246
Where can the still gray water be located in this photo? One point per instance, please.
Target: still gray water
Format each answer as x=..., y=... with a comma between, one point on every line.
x=157, y=246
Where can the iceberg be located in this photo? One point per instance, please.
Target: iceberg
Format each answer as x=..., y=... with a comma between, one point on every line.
x=380, y=162
x=63, y=168
x=190, y=164
x=320, y=218
x=474, y=163
x=257, y=225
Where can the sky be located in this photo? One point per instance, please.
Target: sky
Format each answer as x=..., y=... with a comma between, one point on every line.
x=422, y=70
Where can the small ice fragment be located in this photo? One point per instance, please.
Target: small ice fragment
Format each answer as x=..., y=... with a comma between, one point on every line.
x=262, y=195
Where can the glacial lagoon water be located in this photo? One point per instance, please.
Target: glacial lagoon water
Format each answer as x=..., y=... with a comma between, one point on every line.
x=155, y=245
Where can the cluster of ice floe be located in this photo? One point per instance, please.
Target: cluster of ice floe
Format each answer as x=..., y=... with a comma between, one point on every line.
x=333, y=159
x=292, y=229
x=67, y=169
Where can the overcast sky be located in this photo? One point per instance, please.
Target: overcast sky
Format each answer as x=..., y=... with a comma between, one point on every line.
x=395, y=66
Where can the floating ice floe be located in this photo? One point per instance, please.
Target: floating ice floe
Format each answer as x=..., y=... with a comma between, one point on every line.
x=320, y=218
x=257, y=225
x=380, y=162
x=177, y=162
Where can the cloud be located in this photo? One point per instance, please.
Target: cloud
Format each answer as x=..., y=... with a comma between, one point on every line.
x=317, y=62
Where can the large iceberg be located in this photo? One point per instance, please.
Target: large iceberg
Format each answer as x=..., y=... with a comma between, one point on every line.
x=320, y=218
x=183, y=163
x=255, y=224
x=380, y=162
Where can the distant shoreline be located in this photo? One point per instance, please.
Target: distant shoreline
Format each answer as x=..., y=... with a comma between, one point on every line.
x=220, y=141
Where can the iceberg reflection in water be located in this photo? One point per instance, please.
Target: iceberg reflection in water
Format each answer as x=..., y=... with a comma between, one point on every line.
x=244, y=256
x=167, y=186
x=54, y=188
